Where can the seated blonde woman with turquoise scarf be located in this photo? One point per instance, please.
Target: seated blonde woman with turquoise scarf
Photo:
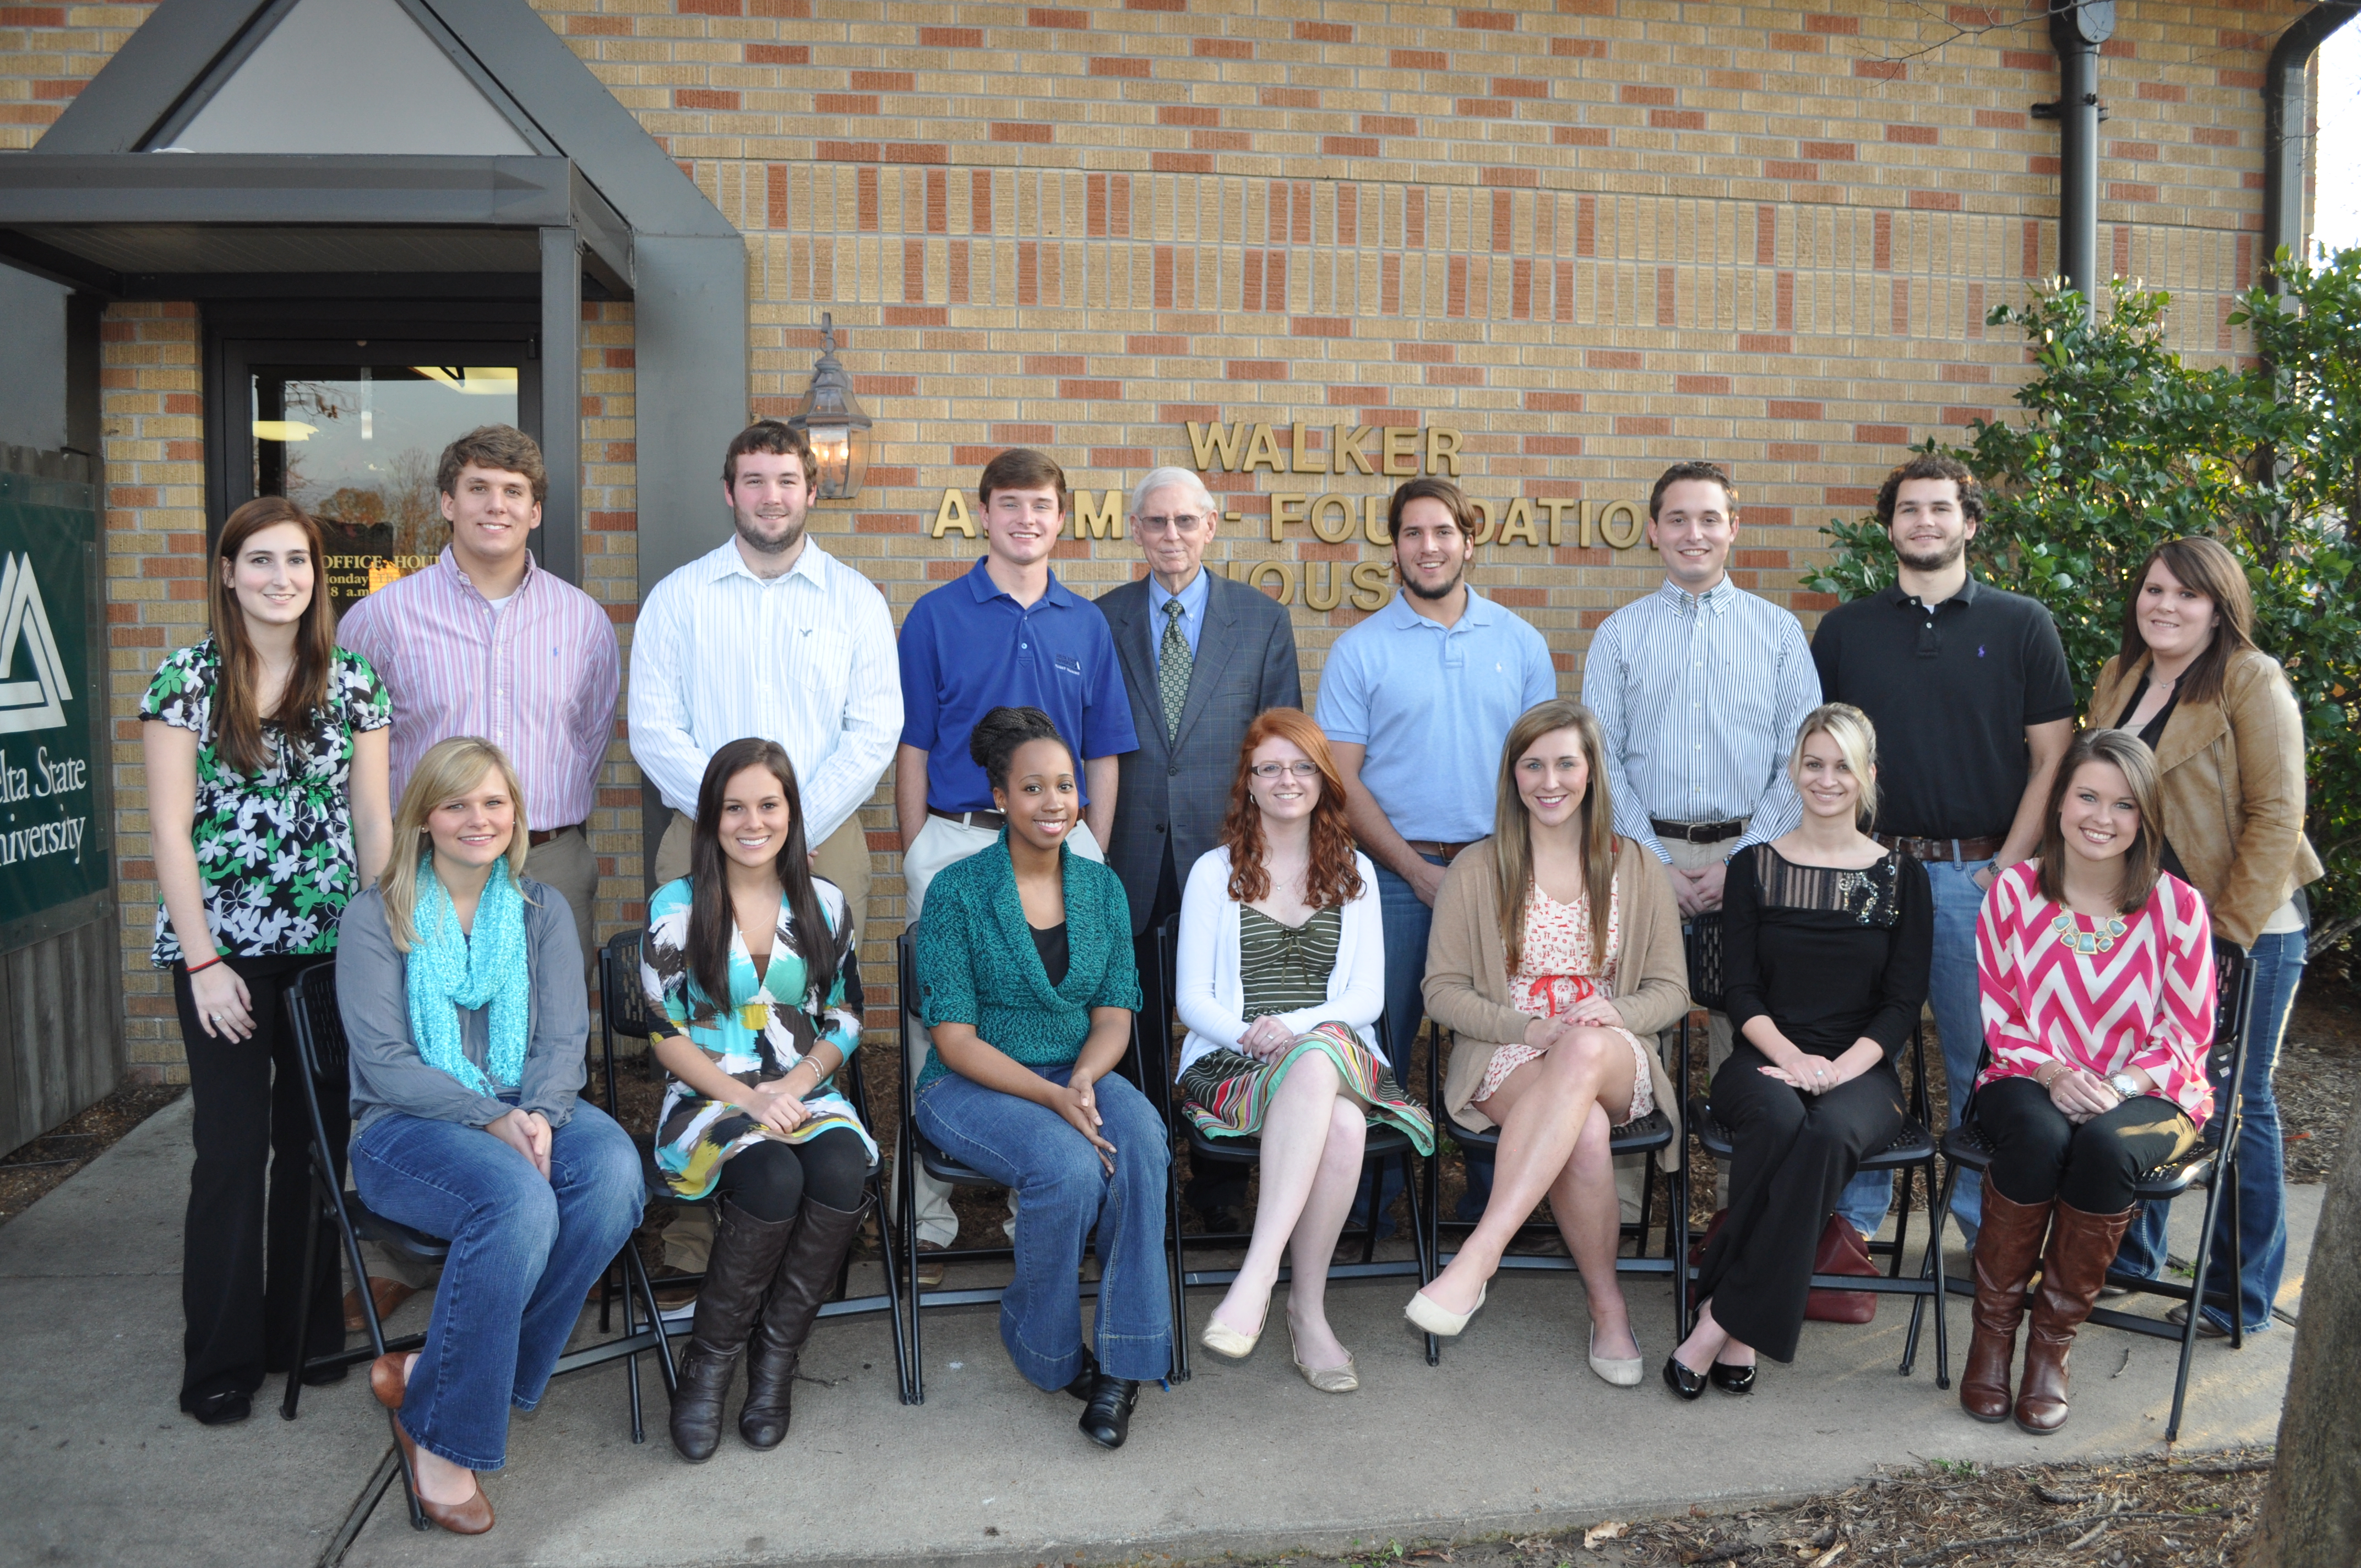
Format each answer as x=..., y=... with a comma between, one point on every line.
x=749, y=1111
x=460, y=984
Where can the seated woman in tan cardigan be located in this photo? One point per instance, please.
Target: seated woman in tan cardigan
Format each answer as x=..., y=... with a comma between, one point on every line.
x=1555, y=957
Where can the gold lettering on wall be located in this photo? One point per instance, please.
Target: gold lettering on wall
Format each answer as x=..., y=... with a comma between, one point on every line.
x=1613, y=537
x=1097, y=521
x=952, y=514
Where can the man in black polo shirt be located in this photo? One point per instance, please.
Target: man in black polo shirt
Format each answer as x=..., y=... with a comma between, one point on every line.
x=1968, y=690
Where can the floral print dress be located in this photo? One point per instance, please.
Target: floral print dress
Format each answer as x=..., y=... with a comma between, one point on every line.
x=274, y=847
x=771, y=1022
x=1558, y=971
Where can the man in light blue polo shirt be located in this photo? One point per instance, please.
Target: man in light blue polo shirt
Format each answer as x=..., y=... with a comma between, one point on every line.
x=1006, y=634
x=1417, y=701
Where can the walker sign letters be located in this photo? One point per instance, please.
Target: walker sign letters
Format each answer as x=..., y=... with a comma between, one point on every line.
x=52, y=851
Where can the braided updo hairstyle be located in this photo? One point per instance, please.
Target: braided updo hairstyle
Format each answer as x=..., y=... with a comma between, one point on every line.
x=999, y=733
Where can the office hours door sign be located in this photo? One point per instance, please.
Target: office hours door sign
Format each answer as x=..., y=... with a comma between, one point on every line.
x=52, y=845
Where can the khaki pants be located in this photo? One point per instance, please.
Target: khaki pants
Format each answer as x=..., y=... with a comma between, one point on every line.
x=566, y=865
x=843, y=859
x=940, y=843
x=1631, y=1171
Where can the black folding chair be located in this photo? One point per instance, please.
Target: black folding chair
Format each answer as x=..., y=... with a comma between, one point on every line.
x=623, y=1013
x=1382, y=1146
x=319, y=1032
x=913, y=1150
x=1651, y=1134
x=2213, y=1164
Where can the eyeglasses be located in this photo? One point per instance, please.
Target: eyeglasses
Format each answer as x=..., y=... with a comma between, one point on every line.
x=1179, y=523
x=1303, y=770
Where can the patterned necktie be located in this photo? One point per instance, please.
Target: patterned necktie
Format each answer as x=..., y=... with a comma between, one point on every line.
x=1173, y=663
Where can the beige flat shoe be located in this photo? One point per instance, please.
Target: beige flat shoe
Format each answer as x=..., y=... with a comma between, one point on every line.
x=1439, y=1322
x=1623, y=1373
x=1327, y=1380
x=1223, y=1340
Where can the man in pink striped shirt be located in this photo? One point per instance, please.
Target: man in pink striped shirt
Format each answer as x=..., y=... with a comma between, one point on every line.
x=486, y=642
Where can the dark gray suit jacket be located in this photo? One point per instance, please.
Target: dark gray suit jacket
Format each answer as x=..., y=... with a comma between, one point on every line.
x=1245, y=663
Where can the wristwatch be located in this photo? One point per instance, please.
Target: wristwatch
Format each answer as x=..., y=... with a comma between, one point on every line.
x=2124, y=1085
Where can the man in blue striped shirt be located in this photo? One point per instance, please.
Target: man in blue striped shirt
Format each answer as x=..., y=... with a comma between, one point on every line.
x=1700, y=688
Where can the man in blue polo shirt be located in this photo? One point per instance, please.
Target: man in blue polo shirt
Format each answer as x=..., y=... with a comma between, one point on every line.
x=1006, y=634
x=1416, y=702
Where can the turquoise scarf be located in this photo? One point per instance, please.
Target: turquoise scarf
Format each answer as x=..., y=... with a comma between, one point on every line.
x=450, y=970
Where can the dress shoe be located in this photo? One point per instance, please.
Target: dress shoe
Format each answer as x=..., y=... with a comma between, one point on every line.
x=1085, y=1382
x=1106, y=1419
x=1623, y=1372
x=675, y=1287
x=389, y=1381
x=1441, y=1322
x=1681, y=1381
x=387, y=1294
x=1223, y=1339
x=224, y=1408
x=1731, y=1379
x=2206, y=1327
x=1327, y=1380
x=929, y=1273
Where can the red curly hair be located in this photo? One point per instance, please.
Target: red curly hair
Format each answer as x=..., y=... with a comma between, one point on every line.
x=1330, y=880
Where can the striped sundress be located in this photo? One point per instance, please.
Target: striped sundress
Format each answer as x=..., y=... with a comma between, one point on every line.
x=1285, y=969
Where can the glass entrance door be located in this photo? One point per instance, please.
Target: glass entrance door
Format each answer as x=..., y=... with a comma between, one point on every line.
x=351, y=432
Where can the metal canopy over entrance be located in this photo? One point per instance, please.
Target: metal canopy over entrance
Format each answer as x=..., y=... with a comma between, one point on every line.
x=501, y=184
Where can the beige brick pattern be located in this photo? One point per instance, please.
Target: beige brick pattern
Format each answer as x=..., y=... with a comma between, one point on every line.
x=1592, y=236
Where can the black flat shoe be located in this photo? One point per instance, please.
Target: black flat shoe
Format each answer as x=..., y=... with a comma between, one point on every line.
x=1106, y=1419
x=1681, y=1381
x=222, y=1409
x=1085, y=1382
x=1731, y=1379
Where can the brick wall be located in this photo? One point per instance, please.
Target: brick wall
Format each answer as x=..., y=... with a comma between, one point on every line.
x=1592, y=237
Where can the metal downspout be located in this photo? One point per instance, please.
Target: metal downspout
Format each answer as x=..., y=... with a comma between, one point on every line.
x=2286, y=134
x=2077, y=28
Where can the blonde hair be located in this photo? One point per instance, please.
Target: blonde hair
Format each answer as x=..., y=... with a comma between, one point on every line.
x=1856, y=739
x=1512, y=839
x=450, y=768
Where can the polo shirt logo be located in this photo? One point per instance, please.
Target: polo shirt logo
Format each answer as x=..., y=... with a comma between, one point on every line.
x=1069, y=666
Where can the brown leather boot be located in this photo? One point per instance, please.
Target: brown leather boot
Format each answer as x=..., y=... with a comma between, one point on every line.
x=745, y=1255
x=2080, y=1247
x=807, y=1274
x=2009, y=1239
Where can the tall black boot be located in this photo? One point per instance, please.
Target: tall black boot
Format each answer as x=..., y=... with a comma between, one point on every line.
x=745, y=1255
x=807, y=1274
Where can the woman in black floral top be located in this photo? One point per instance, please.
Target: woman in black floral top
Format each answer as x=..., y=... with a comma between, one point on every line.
x=266, y=803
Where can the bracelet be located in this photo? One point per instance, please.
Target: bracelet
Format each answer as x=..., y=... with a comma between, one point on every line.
x=195, y=969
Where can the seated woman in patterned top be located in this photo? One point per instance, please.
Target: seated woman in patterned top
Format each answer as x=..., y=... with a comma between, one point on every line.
x=1281, y=973
x=1028, y=988
x=1826, y=937
x=748, y=1110
x=1556, y=958
x=2097, y=971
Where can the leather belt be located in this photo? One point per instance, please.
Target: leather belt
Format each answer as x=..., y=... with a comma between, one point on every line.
x=1953, y=850
x=1699, y=832
x=991, y=820
x=1445, y=852
x=536, y=839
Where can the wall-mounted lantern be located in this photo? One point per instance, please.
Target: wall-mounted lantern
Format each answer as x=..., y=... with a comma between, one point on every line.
x=832, y=419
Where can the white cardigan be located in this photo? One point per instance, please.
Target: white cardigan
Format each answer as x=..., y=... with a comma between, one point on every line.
x=1212, y=990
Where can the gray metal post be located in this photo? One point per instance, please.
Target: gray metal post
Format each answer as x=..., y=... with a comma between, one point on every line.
x=561, y=401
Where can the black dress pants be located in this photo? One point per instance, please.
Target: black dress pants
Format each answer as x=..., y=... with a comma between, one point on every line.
x=1794, y=1153
x=2038, y=1155
x=250, y=1205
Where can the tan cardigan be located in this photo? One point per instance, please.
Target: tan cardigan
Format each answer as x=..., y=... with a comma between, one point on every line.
x=2232, y=771
x=1467, y=974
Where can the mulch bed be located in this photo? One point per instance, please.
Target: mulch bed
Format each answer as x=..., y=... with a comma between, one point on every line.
x=27, y=1173
x=2137, y=1513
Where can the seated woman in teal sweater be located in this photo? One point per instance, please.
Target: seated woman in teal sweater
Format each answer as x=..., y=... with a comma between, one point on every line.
x=1026, y=986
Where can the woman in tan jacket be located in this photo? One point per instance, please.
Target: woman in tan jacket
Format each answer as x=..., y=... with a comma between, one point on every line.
x=2217, y=712
x=1555, y=957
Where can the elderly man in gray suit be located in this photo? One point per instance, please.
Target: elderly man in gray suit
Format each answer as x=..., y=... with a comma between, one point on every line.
x=1201, y=655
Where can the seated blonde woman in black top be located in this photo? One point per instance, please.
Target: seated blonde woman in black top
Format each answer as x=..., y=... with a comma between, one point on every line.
x=1826, y=937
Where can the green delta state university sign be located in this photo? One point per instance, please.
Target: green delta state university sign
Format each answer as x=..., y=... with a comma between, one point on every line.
x=53, y=846
x=1385, y=455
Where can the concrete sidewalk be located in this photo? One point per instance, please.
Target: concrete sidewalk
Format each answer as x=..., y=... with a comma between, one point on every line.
x=1512, y=1431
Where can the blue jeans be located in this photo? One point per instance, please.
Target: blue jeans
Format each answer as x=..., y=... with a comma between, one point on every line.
x=1067, y=1196
x=2262, y=1155
x=1951, y=990
x=524, y=1252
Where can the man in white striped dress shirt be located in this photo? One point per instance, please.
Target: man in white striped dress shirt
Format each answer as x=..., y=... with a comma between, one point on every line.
x=767, y=634
x=1700, y=688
